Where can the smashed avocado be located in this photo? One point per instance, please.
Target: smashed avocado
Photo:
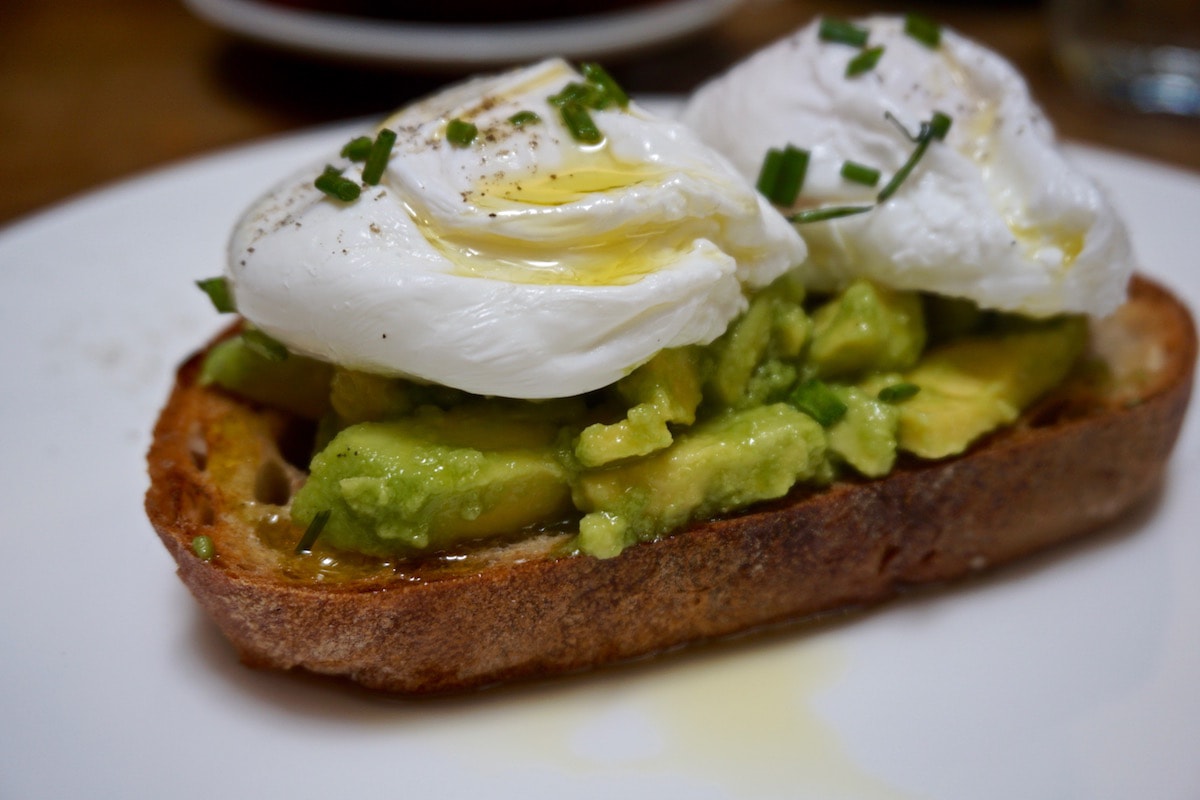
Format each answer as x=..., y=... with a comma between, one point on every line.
x=435, y=478
x=799, y=390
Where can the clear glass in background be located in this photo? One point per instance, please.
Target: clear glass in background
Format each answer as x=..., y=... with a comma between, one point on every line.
x=1140, y=53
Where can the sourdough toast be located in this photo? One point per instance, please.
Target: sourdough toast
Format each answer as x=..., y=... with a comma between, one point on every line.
x=222, y=468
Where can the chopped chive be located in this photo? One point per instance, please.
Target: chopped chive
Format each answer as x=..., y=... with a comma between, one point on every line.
x=305, y=545
x=523, y=118
x=842, y=32
x=218, y=292
x=461, y=133
x=924, y=30
x=381, y=150
x=768, y=173
x=583, y=94
x=599, y=91
x=818, y=401
x=860, y=173
x=202, y=546
x=333, y=184
x=791, y=176
x=599, y=76
x=357, y=149
x=902, y=174
x=898, y=392
x=782, y=174
x=580, y=123
x=575, y=99
x=865, y=61
x=935, y=128
x=829, y=212
x=262, y=344
x=939, y=125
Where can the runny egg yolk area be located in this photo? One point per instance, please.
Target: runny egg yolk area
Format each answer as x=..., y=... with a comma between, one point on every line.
x=521, y=264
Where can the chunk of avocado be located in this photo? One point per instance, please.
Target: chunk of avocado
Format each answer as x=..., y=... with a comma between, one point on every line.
x=739, y=351
x=972, y=386
x=296, y=384
x=865, y=436
x=867, y=328
x=735, y=459
x=437, y=478
x=665, y=390
x=750, y=359
x=363, y=397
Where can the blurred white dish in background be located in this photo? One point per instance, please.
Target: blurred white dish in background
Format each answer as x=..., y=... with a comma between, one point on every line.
x=600, y=35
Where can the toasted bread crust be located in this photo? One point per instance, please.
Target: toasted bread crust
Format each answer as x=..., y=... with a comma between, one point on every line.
x=1079, y=459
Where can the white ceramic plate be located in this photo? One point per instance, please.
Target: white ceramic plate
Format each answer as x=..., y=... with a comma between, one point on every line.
x=1074, y=675
x=462, y=45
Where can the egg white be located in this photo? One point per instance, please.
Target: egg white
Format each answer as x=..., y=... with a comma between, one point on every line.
x=995, y=213
x=522, y=265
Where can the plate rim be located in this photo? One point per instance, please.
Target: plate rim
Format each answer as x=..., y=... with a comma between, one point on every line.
x=277, y=709
x=460, y=45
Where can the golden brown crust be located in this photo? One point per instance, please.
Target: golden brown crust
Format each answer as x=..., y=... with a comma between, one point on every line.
x=517, y=611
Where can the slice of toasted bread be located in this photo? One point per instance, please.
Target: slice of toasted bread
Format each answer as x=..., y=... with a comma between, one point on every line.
x=219, y=467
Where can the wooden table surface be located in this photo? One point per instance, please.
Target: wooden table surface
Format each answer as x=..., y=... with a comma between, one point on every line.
x=95, y=92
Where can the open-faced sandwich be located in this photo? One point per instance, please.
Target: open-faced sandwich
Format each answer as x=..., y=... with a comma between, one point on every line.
x=529, y=379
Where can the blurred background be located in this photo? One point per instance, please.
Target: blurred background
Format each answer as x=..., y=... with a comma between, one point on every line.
x=94, y=92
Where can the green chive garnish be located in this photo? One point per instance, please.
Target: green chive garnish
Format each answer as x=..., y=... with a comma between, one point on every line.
x=580, y=123
x=599, y=76
x=599, y=91
x=768, y=173
x=586, y=95
x=935, y=128
x=902, y=174
x=218, y=292
x=305, y=545
x=829, y=212
x=791, y=176
x=377, y=160
x=842, y=32
x=924, y=30
x=357, y=149
x=333, y=184
x=860, y=173
x=262, y=344
x=939, y=125
x=461, y=133
x=202, y=546
x=782, y=174
x=898, y=392
x=523, y=118
x=818, y=401
x=865, y=61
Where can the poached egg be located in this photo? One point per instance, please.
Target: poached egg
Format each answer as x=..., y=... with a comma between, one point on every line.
x=522, y=264
x=994, y=213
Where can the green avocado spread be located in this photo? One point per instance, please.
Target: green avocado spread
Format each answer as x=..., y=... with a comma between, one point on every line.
x=799, y=391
